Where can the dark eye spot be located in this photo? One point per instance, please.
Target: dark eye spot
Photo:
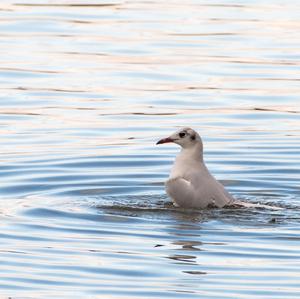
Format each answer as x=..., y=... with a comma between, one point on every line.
x=181, y=134
x=193, y=137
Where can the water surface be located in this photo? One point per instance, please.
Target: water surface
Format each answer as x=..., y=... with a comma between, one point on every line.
x=87, y=88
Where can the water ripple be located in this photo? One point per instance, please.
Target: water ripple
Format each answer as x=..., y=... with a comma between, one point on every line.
x=87, y=89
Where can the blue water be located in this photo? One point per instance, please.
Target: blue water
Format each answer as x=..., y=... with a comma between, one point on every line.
x=87, y=89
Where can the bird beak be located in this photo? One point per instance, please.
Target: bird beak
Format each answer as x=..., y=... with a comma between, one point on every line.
x=165, y=140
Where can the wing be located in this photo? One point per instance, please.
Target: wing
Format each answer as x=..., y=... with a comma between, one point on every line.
x=183, y=193
x=209, y=190
x=220, y=196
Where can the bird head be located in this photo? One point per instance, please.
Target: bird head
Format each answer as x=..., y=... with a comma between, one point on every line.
x=185, y=137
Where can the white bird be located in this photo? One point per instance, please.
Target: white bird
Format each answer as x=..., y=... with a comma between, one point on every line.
x=190, y=184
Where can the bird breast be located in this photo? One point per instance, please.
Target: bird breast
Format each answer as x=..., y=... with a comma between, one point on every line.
x=187, y=168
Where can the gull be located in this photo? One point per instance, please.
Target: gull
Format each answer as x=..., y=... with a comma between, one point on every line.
x=190, y=184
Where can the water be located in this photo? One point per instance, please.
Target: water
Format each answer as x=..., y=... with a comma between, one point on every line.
x=87, y=88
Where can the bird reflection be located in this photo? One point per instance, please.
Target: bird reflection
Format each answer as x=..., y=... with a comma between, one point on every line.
x=183, y=258
x=188, y=245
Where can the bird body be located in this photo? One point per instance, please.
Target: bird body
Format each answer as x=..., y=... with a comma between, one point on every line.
x=190, y=184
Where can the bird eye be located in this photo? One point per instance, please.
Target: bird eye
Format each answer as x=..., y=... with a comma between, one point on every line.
x=181, y=134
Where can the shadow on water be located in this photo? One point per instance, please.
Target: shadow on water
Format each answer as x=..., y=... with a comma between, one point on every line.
x=246, y=212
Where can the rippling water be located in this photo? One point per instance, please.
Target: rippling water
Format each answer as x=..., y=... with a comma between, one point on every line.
x=87, y=88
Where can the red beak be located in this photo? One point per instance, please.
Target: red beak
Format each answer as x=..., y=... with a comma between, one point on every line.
x=165, y=140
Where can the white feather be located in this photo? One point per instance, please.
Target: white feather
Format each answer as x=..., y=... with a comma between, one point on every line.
x=190, y=184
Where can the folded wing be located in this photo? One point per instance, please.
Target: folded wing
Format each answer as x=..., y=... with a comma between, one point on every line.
x=220, y=196
x=185, y=194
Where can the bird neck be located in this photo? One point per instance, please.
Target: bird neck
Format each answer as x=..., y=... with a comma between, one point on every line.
x=194, y=152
